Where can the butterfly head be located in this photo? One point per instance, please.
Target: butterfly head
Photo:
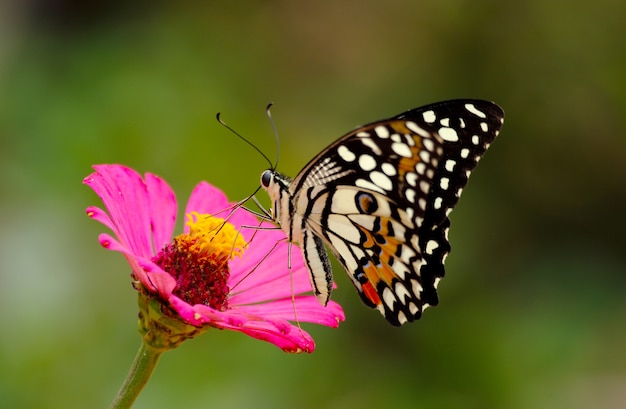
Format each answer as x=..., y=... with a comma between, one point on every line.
x=273, y=181
x=277, y=187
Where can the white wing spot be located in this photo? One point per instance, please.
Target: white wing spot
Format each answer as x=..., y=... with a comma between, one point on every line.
x=402, y=317
x=475, y=111
x=416, y=287
x=400, y=273
x=424, y=156
x=389, y=169
x=421, y=202
x=431, y=246
x=366, y=162
x=381, y=180
x=346, y=154
x=445, y=122
x=450, y=164
x=410, y=212
x=382, y=131
x=366, y=184
x=388, y=298
x=464, y=153
x=448, y=134
x=475, y=139
x=401, y=292
x=437, y=203
x=369, y=142
x=363, y=134
x=428, y=144
x=380, y=307
x=401, y=149
x=424, y=186
x=415, y=128
x=462, y=123
x=411, y=178
x=413, y=309
x=410, y=195
x=444, y=183
x=410, y=140
x=484, y=126
x=420, y=167
x=396, y=138
x=429, y=116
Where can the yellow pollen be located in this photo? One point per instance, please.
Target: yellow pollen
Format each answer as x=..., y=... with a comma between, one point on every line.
x=212, y=235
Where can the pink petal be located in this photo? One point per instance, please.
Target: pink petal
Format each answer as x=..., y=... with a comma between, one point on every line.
x=163, y=210
x=281, y=287
x=253, y=280
x=125, y=197
x=275, y=330
x=99, y=215
x=296, y=340
x=306, y=309
x=162, y=280
x=208, y=199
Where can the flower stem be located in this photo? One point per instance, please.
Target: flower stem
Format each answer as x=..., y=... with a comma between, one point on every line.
x=140, y=371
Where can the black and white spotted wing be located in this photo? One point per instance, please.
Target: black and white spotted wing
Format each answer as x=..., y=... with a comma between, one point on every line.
x=379, y=198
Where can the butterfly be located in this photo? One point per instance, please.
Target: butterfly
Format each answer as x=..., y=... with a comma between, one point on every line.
x=379, y=197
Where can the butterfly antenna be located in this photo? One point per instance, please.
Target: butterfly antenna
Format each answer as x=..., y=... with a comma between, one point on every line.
x=268, y=111
x=225, y=125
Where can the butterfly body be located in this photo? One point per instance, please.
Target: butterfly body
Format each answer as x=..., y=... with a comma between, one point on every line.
x=379, y=198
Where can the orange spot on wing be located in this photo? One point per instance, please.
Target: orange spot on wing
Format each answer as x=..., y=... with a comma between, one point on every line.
x=382, y=271
x=376, y=273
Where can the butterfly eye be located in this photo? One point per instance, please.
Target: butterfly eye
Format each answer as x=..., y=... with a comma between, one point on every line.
x=266, y=178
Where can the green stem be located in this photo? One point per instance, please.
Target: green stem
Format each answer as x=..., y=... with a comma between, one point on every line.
x=140, y=371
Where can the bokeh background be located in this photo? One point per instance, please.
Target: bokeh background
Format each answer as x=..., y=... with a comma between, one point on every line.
x=533, y=308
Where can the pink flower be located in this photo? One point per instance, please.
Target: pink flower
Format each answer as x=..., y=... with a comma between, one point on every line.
x=215, y=274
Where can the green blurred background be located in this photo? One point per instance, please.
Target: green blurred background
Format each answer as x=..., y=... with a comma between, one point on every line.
x=532, y=313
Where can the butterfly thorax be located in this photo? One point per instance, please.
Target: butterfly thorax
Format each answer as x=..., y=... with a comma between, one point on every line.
x=282, y=211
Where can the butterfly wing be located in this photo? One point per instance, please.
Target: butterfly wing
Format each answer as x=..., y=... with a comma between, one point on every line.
x=380, y=197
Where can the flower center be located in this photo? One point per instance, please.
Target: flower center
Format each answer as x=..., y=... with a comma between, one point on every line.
x=198, y=260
